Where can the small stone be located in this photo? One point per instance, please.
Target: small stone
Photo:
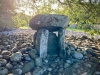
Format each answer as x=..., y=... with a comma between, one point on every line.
x=85, y=73
x=14, y=50
x=46, y=61
x=44, y=67
x=66, y=65
x=3, y=62
x=1, y=56
x=68, y=61
x=97, y=73
x=49, y=73
x=27, y=67
x=6, y=57
x=77, y=55
x=16, y=56
x=32, y=54
x=27, y=58
x=17, y=66
x=9, y=66
x=28, y=73
x=38, y=61
x=17, y=71
x=38, y=71
x=5, y=52
x=53, y=65
x=3, y=71
x=49, y=69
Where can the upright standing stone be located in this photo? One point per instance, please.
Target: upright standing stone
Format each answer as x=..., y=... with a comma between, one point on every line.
x=42, y=42
x=61, y=36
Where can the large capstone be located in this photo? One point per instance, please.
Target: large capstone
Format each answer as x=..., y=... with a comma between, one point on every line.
x=42, y=42
x=52, y=22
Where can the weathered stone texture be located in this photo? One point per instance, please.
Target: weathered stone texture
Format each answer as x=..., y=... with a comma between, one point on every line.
x=42, y=42
x=61, y=36
x=52, y=22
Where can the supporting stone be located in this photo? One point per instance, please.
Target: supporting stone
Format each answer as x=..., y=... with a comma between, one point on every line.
x=61, y=36
x=42, y=42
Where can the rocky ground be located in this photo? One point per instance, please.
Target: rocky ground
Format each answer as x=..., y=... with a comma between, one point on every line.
x=18, y=57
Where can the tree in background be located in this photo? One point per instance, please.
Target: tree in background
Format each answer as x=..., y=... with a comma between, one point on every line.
x=84, y=13
x=6, y=10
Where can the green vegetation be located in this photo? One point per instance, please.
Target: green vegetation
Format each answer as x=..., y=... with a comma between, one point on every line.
x=76, y=30
x=17, y=13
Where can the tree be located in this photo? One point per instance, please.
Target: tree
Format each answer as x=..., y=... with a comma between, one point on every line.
x=6, y=10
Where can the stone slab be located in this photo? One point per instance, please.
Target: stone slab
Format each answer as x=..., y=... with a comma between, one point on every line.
x=42, y=42
x=52, y=22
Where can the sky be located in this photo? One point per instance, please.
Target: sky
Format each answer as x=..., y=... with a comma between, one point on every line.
x=27, y=10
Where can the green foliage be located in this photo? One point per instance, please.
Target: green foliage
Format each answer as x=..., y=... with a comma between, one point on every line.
x=21, y=20
x=84, y=14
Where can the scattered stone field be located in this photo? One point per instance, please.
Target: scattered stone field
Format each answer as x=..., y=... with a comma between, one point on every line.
x=18, y=57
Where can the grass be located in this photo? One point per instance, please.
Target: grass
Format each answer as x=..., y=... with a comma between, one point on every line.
x=24, y=27
x=76, y=30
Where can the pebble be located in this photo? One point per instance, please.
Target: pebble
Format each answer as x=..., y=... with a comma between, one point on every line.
x=66, y=65
x=3, y=62
x=49, y=69
x=97, y=72
x=16, y=56
x=38, y=71
x=3, y=71
x=17, y=71
x=77, y=55
x=6, y=52
x=9, y=66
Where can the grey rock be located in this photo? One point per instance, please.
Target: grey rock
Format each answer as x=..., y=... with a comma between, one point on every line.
x=2, y=47
x=33, y=53
x=1, y=56
x=17, y=66
x=16, y=56
x=17, y=71
x=27, y=67
x=3, y=71
x=14, y=50
x=70, y=44
x=97, y=73
x=9, y=66
x=28, y=73
x=61, y=37
x=77, y=55
x=42, y=42
x=52, y=44
x=6, y=57
x=3, y=62
x=26, y=57
x=38, y=61
x=38, y=71
x=49, y=69
x=6, y=52
x=52, y=22
x=66, y=65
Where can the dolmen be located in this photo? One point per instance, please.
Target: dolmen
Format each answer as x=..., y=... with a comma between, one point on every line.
x=46, y=41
